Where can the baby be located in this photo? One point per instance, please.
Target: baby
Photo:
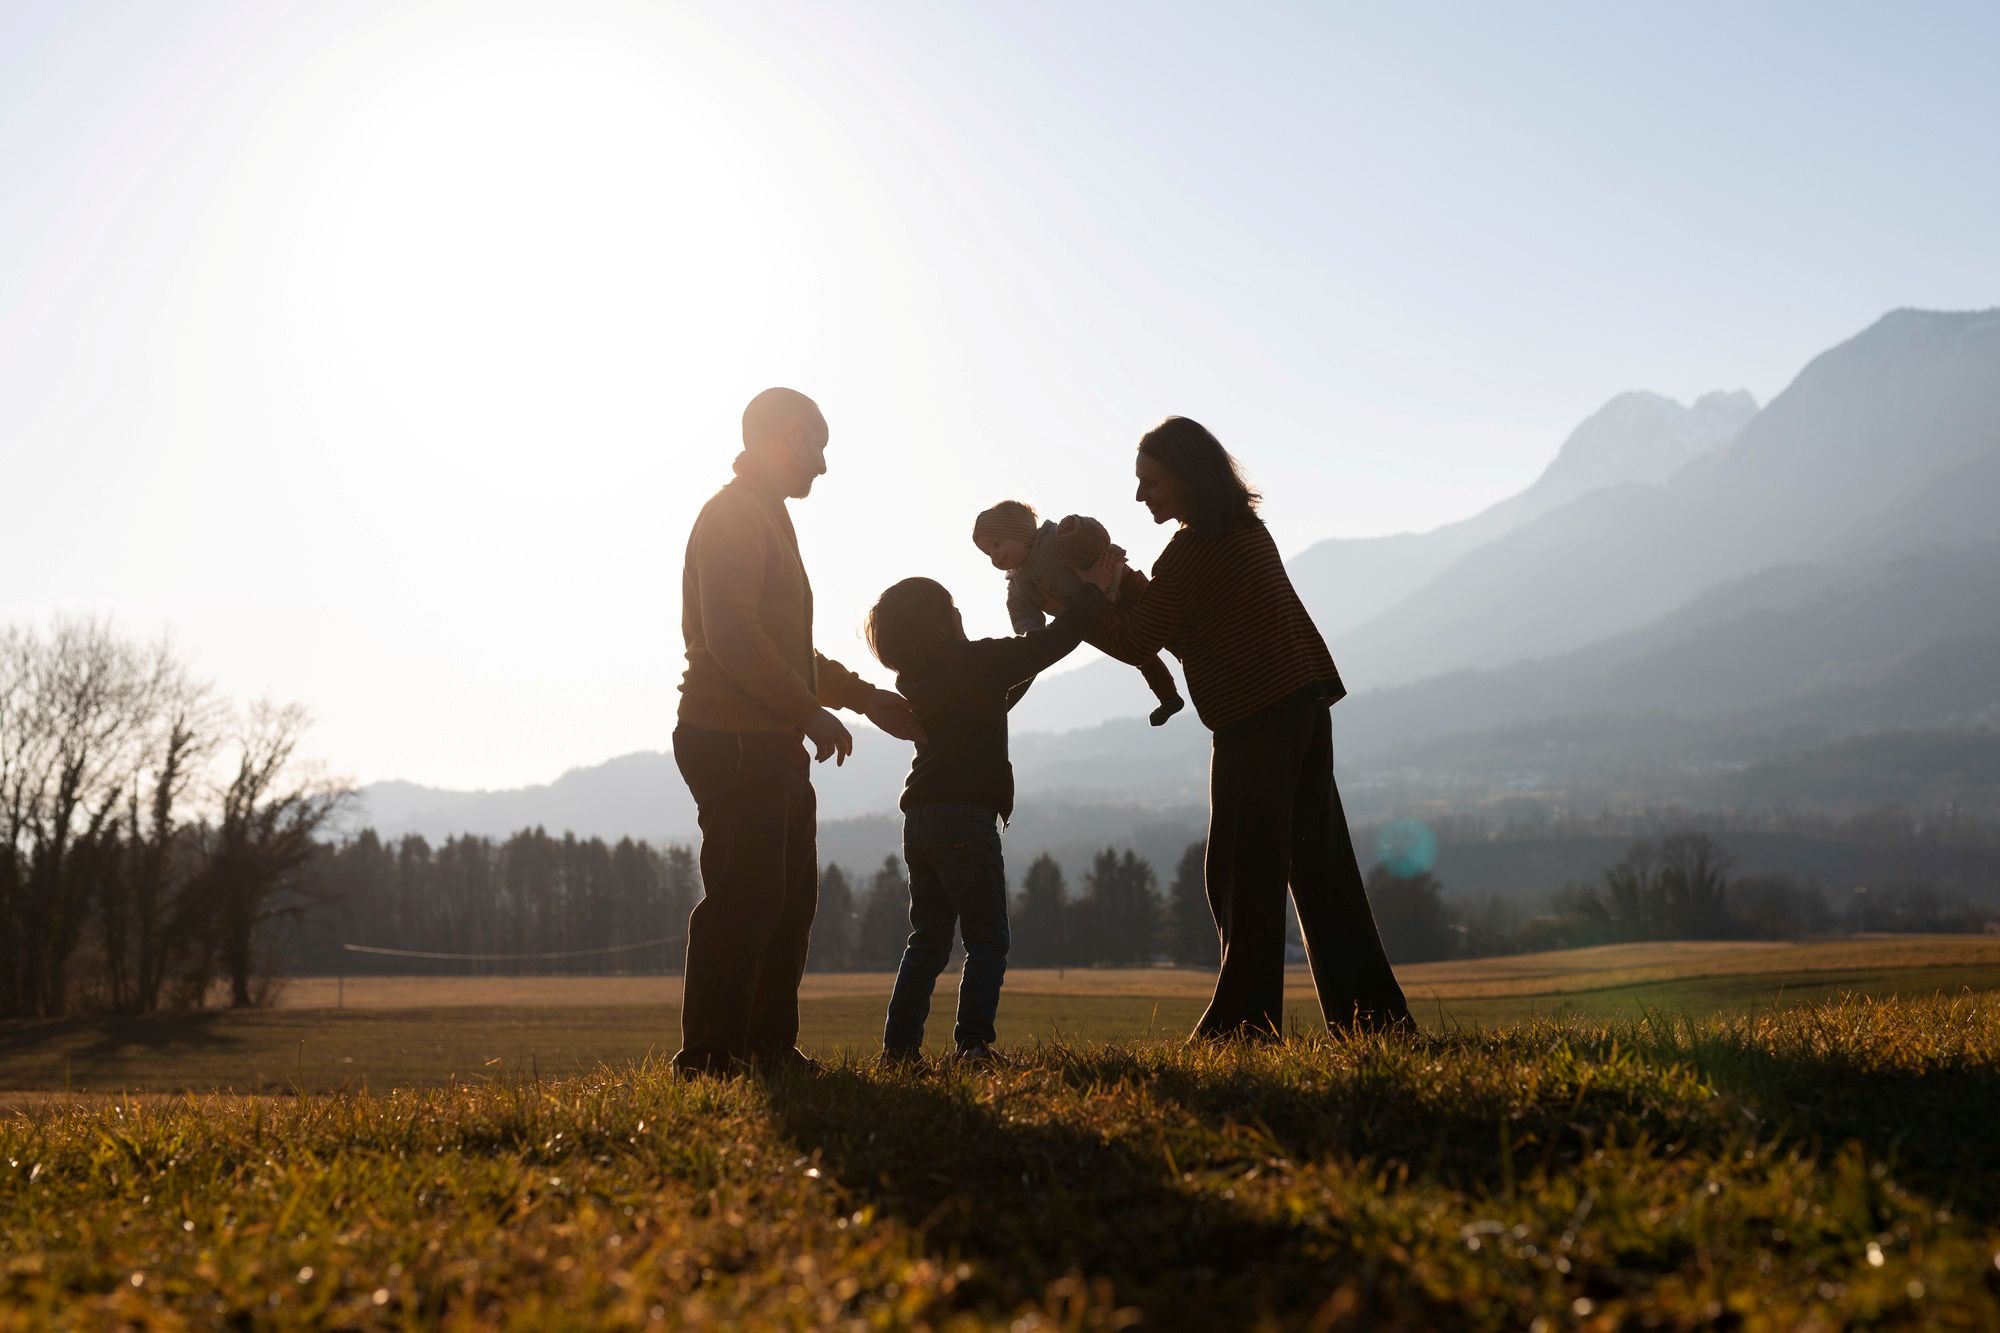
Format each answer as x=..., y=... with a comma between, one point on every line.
x=1041, y=562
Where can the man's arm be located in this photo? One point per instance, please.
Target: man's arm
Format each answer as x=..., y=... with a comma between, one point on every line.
x=841, y=688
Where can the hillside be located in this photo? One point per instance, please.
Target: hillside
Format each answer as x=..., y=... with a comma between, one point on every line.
x=1866, y=429
x=1636, y=438
x=1845, y=648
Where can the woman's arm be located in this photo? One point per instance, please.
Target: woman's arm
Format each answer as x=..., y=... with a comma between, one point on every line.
x=1135, y=629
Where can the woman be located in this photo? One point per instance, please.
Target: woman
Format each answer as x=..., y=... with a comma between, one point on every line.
x=1262, y=680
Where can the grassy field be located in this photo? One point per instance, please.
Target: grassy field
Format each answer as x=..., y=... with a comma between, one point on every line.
x=1819, y=1166
x=398, y=1031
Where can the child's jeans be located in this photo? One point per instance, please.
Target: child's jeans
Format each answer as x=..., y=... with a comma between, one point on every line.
x=956, y=878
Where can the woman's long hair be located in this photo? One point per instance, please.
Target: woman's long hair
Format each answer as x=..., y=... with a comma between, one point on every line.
x=1219, y=500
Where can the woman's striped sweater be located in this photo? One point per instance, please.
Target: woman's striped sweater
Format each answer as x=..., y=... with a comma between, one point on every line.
x=1223, y=604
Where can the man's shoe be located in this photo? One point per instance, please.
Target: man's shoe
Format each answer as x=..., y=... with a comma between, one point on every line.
x=981, y=1056
x=1385, y=1022
x=706, y=1064
x=902, y=1059
x=791, y=1060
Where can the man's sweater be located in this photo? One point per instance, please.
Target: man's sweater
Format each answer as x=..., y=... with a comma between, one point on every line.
x=746, y=613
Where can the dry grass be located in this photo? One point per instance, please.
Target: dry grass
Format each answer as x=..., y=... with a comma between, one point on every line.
x=1827, y=1167
x=1566, y=972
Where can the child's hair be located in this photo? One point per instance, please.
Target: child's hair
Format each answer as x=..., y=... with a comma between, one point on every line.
x=1010, y=519
x=909, y=623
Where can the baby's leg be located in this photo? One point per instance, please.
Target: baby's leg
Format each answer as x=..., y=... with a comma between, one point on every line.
x=1161, y=682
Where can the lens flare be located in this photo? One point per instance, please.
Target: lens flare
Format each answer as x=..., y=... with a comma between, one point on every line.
x=1406, y=847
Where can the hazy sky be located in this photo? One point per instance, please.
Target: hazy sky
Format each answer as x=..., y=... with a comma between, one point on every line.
x=384, y=352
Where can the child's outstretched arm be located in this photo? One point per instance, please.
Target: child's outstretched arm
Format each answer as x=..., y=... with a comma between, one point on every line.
x=1015, y=662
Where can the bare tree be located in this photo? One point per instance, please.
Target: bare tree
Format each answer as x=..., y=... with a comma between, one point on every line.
x=1630, y=900
x=1694, y=884
x=140, y=908
x=261, y=849
x=72, y=706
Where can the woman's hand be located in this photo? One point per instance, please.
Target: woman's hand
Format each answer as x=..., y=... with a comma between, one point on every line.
x=1105, y=573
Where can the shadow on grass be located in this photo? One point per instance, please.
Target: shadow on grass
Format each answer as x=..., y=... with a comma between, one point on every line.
x=1933, y=1130
x=1429, y=1106
x=1035, y=1203
x=96, y=1038
x=1930, y=1130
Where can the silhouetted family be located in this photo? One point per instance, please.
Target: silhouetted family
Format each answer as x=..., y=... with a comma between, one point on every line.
x=756, y=693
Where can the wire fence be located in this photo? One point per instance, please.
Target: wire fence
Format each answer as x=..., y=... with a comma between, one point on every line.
x=551, y=955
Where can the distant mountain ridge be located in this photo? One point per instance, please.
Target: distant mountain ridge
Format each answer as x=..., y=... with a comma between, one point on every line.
x=1635, y=439
x=1872, y=421
x=1125, y=764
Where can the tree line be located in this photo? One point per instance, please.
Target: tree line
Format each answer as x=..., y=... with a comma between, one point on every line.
x=1683, y=885
x=150, y=832
x=1117, y=915
x=474, y=905
x=597, y=907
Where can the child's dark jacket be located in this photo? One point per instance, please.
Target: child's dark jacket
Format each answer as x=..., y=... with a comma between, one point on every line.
x=962, y=700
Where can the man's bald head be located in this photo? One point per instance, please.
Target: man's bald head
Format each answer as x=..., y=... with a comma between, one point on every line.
x=779, y=416
x=784, y=430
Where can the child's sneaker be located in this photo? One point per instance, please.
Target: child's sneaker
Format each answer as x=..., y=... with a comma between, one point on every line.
x=981, y=1056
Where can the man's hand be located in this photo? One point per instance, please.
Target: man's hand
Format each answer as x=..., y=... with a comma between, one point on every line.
x=891, y=712
x=1105, y=574
x=829, y=736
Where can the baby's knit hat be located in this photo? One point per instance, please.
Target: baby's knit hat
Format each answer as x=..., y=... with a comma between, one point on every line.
x=1010, y=520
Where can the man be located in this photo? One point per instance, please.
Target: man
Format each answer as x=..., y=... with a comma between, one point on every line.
x=753, y=687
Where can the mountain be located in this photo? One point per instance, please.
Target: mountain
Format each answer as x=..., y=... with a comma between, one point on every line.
x=1128, y=766
x=640, y=794
x=1847, y=646
x=1880, y=420
x=1636, y=438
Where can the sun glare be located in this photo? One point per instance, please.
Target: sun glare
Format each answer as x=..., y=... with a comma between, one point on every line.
x=515, y=222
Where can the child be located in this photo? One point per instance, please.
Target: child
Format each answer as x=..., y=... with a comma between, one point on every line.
x=960, y=791
x=1041, y=563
